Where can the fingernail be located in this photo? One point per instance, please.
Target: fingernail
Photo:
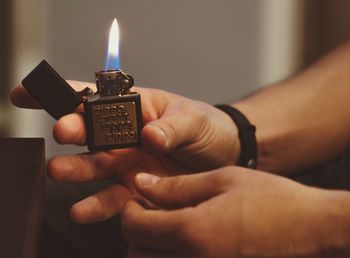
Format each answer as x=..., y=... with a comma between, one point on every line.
x=162, y=134
x=144, y=179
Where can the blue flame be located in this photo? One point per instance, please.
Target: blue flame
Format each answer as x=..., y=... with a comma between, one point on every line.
x=112, y=62
x=112, y=59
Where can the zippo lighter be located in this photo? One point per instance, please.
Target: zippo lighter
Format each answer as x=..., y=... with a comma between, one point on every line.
x=113, y=116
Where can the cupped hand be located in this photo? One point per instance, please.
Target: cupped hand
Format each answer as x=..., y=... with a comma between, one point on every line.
x=230, y=212
x=180, y=136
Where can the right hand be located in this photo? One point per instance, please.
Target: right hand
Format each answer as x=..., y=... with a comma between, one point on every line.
x=180, y=136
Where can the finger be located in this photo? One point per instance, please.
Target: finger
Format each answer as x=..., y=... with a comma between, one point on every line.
x=70, y=129
x=100, y=206
x=20, y=97
x=180, y=191
x=155, y=229
x=180, y=123
x=135, y=252
x=83, y=167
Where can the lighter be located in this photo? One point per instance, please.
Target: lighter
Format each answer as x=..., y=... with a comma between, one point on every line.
x=113, y=116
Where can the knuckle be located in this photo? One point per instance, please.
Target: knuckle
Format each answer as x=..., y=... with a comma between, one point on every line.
x=168, y=128
x=224, y=177
x=83, y=168
x=223, y=173
x=196, y=111
x=175, y=184
x=184, y=107
x=193, y=109
x=199, y=111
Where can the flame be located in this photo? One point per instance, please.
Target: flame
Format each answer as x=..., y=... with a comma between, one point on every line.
x=113, y=59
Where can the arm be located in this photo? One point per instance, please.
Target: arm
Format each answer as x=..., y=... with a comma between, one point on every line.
x=294, y=129
x=300, y=122
x=305, y=120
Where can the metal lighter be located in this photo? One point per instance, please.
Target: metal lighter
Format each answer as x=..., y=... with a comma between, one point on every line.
x=113, y=115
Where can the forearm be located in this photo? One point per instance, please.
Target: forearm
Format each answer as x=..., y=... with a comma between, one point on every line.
x=305, y=120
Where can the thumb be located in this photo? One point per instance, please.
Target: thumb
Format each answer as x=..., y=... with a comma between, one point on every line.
x=178, y=125
x=178, y=191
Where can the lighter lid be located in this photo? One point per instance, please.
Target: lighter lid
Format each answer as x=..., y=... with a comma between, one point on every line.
x=51, y=91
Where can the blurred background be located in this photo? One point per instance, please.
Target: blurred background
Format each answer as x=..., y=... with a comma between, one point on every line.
x=215, y=51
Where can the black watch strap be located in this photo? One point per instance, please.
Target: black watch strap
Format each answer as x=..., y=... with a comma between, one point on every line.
x=246, y=134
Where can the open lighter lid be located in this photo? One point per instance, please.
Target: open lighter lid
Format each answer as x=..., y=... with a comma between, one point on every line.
x=51, y=91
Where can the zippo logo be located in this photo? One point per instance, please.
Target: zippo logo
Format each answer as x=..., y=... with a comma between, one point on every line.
x=114, y=121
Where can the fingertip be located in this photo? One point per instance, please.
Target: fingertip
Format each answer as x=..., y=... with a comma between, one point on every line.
x=87, y=211
x=145, y=180
x=58, y=169
x=52, y=169
x=154, y=138
x=14, y=95
x=77, y=214
x=20, y=97
x=70, y=129
x=58, y=132
x=100, y=206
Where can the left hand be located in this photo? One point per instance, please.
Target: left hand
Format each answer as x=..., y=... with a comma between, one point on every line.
x=230, y=212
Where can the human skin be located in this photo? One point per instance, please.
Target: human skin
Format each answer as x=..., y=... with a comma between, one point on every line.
x=235, y=213
x=301, y=122
x=179, y=137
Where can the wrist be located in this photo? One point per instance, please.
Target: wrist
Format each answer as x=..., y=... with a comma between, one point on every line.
x=246, y=136
x=262, y=133
x=273, y=138
x=234, y=146
x=335, y=226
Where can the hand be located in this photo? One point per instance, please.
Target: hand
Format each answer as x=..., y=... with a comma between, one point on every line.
x=180, y=136
x=231, y=212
